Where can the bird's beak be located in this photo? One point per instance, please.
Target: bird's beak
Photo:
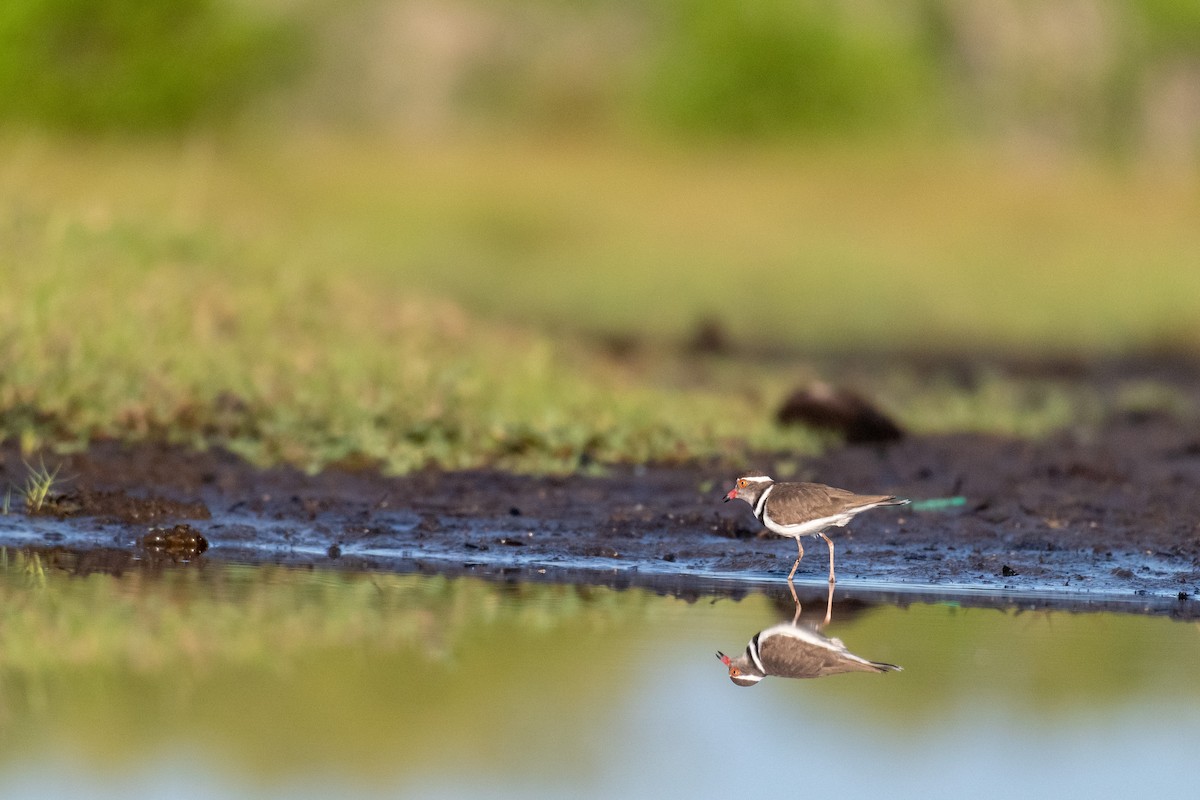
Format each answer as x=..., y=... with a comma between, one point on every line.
x=724, y=658
x=731, y=496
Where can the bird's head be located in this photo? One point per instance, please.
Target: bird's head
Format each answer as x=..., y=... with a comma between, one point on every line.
x=748, y=488
x=739, y=670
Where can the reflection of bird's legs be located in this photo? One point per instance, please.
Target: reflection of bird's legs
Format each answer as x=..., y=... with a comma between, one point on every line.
x=796, y=616
x=829, y=606
x=799, y=547
x=829, y=542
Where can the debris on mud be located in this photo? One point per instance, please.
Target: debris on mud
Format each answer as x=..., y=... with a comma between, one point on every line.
x=841, y=411
x=179, y=543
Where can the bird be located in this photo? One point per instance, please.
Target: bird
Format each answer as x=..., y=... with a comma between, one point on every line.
x=804, y=509
x=789, y=650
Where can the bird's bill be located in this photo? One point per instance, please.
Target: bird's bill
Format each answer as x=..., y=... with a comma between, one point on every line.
x=732, y=495
x=724, y=658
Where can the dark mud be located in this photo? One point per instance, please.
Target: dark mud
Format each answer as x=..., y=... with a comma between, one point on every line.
x=1111, y=514
x=119, y=506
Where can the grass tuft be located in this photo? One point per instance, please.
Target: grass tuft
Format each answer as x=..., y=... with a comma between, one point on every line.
x=38, y=485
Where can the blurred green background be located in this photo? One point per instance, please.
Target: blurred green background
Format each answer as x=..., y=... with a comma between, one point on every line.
x=1089, y=75
x=470, y=233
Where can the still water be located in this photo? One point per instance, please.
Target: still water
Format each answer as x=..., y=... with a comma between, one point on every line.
x=217, y=680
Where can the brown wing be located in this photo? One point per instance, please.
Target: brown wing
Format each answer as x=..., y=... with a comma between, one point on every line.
x=816, y=500
x=799, y=653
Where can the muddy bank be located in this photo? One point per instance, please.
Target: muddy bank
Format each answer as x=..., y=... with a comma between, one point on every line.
x=1114, y=512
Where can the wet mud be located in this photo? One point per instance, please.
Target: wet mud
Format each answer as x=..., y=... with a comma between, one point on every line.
x=1113, y=513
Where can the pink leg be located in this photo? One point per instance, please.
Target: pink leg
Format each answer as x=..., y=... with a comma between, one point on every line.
x=801, y=548
x=829, y=542
x=829, y=606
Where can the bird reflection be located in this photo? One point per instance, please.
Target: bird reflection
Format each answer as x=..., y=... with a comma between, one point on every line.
x=797, y=650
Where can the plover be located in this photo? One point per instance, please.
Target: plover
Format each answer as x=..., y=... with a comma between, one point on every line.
x=804, y=509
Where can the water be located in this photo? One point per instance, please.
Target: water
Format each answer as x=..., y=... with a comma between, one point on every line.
x=270, y=682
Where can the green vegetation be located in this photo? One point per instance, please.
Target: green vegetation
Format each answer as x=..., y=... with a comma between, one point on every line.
x=1096, y=77
x=479, y=235
x=295, y=305
x=766, y=67
x=130, y=65
x=1102, y=77
x=38, y=485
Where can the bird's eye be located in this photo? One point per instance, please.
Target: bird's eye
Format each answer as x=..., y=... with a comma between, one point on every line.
x=742, y=483
x=734, y=672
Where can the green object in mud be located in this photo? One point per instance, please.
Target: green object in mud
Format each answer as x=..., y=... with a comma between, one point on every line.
x=938, y=503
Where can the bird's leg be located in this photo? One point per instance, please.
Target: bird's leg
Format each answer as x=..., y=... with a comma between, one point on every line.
x=797, y=564
x=829, y=606
x=829, y=542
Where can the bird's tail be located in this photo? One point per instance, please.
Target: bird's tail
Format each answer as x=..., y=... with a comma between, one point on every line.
x=881, y=666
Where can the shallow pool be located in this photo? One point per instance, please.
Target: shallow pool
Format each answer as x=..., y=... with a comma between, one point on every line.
x=229, y=680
